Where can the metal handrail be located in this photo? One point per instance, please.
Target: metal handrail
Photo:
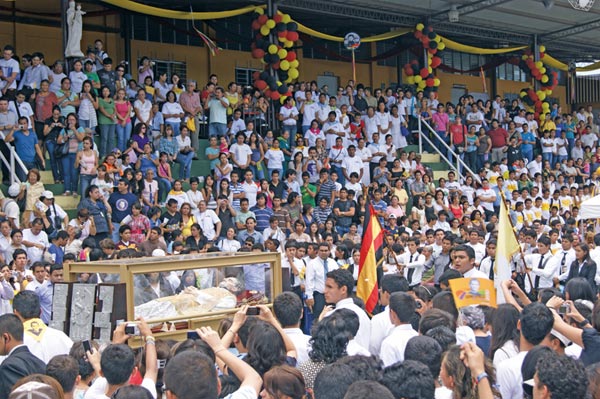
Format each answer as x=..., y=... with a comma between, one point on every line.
x=10, y=164
x=459, y=161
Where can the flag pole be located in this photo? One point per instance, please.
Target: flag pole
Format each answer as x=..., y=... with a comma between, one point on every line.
x=515, y=234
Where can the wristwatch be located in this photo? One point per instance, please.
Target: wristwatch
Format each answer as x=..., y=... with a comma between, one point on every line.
x=583, y=323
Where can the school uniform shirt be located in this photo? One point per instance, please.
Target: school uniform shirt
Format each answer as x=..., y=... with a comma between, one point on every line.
x=381, y=326
x=315, y=275
x=565, y=259
x=300, y=341
x=413, y=267
x=479, y=249
x=487, y=267
x=393, y=347
x=549, y=269
x=364, y=330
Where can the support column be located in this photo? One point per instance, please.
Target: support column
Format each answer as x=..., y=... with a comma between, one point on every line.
x=126, y=35
x=536, y=58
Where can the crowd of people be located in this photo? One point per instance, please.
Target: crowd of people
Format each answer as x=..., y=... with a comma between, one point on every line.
x=301, y=186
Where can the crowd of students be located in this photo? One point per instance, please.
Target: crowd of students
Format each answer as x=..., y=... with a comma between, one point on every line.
x=301, y=186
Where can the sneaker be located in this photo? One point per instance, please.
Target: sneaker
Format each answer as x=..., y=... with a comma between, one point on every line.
x=75, y=195
x=67, y=193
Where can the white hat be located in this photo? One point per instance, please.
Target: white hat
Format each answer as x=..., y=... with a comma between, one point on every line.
x=14, y=189
x=158, y=252
x=47, y=194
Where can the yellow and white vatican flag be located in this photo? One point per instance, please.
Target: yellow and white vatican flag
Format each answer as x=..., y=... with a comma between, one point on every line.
x=506, y=248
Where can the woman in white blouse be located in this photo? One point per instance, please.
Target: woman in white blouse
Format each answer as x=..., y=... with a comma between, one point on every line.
x=229, y=244
x=172, y=112
x=142, y=108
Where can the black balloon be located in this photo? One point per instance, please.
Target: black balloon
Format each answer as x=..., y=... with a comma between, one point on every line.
x=282, y=89
x=274, y=59
x=433, y=44
x=260, y=43
x=292, y=26
x=281, y=27
x=431, y=35
x=264, y=75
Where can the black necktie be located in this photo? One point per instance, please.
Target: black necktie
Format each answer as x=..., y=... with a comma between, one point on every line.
x=491, y=275
x=410, y=271
x=541, y=265
x=562, y=262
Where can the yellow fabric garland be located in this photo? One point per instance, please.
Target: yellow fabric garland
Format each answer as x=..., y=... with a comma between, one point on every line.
x=164, y=13
x=554, y=63
x=376, y=38
x=463, y=48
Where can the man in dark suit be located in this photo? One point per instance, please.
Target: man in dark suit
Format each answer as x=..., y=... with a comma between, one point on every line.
x=19, y=362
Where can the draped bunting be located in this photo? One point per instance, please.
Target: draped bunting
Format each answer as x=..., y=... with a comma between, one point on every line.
x=463, y=48
x=164, y=13
x=450, y=44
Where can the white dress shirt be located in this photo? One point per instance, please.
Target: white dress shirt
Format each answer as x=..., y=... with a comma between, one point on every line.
x=381, y=326
x=474, y=273
x=509, y=377
x=53, y=343
x=315, y=275
x=364, y=330
x=392, y=348
x=415, y=263
x=300, y=341
x=564, y=266
x=551, y=266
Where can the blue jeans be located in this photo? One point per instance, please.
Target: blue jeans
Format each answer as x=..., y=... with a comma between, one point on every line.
x=259, y=174
x=217, y=129
x=292, y=129
x=471, y=160
x=481, y=159
x=115, y=233
x=123, y=136
x=107, y=139
x=69, y=172
x=85, y=182
x=528, y=154
x=305, y=129
x=561, y=158
x=185, y=162
x=342, y=230
x=570, y=146
x=21, y=174
x=164, y=186
x=86, y=124
x=548, y=156
x=55, y=163
x=271, y=170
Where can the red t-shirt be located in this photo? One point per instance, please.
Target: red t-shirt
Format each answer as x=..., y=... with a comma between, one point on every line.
x=458, y=133
x=498, y=137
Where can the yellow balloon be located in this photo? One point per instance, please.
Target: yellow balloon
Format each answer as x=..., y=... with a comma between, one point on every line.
x=264, y=30
x=282, y=53
x=270, y=23
x=294, y=64
x=541, y=95
x=437, y=38
x=548, y=92
x=284, y=65
x=288, y=44
x=418, y=79
x=545, y=79
x=259, y=11
x=441, y=46
x=543, y=69
x=421, y=85
x=288, y=80
x=429, y=61
x=293, y=73
x=524, y=57
x=542, y=49
x=436, y=82
x=286, y=18
x=545, y=105
x=539, y=64
x=272, y=49
x=282, y=99
x=420, y=27
x=522, y=94
x=281, y=39
x=410, y=80
x=430, y=70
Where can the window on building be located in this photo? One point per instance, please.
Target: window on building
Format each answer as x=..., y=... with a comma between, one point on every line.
x=462, y=61
x=243, y=76
x=512, y=72
x=168, y=31
x=384, y=47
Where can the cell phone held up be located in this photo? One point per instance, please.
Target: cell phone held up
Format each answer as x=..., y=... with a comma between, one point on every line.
x=252, y=311
x=87, y=346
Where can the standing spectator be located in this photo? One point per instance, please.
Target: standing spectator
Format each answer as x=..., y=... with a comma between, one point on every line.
x=241, y=154
x=22, y=108
x=27, y=146
x=19, y=361
x=52, y=129
x=107, y=76
x=121, y=203
x=402, y=310
x=190, y=102
x=107, y=118
x=145, y=70
x=142, y=108
x=123, y=108
x=87, y=163
x=10, y=71
x=45, y=101
x=73, y=135
x=499, y=137
x=68, y=100
x=217, y=107
x=172, y=112
x=99, y=210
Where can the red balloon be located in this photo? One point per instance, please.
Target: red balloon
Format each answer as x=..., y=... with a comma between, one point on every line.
x=260, y=84
x=255, y=25
x=435, y=62
x=276, y=65
x=542, y=55
x=408, y=71
x=418, y=34
x=432, y=50
x=268, y=93
x=275, y=95
x=414, y=62
x=282, y=34
x=258, y=53
x=262, y=19
x=277, y=18
x=292, y=36
x=425, y=41
x=291, y=56
x=429, y=82
x=424, y=73
x=256, y=75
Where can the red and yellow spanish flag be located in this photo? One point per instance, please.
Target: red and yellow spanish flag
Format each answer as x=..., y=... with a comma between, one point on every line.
x=370, y=254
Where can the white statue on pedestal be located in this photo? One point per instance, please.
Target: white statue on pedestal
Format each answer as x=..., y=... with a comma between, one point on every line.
x=75, y=23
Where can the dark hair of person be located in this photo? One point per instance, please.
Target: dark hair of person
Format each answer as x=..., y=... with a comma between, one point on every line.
x=365, y=367
x=426, y=350
x=368, y=390
x=445, y=301
x=266, y=348
x=391, y=283
x=403, y=305
x=463, y=380
x=12, y=325
x=77, y=352
x=27, y=303
x=285, y=380
x=343, y=278
x=564, y=376
x=184, y=372
x=443, y=336
x=432, y=318
x=64, y=369
x=536, y=322
x=448, y=275
x=287, y=308
x=579, y=288
x=117, y=363
x=504, y=325
x=529, y=364
x=132, y=392
x=409, y=379
x=329, y=340
x=333, y=381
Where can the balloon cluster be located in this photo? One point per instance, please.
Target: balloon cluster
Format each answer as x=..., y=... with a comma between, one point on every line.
x=420, y=75
x=275, y=54
x=546, y=77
